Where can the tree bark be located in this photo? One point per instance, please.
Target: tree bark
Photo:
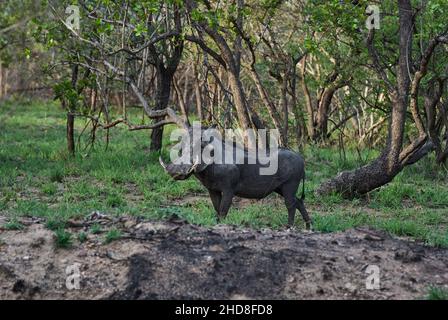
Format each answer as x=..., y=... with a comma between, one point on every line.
x=164, y=79
x=432, y=98
x=70, y=117
x=308, y=101
x=197, y=93
x=70, y=134
x=324, y=103
x=284, y=104
x=165, y=69
x=1, y=79
x=181, y=101
x=272, y=110
x=239, y=98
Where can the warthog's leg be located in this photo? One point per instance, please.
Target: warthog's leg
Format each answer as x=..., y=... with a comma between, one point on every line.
x=304, y=213
x=226, y=201
x=215, y=196
x=290, y=203
x=288, y=191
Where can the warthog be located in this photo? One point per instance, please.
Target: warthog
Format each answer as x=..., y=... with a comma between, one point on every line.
x=240, y=178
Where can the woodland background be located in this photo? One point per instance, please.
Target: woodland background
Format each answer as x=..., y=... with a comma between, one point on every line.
x=366, y=107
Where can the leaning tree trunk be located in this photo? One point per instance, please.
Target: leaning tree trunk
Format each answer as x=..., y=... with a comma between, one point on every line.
x=383, y=169
x=272, y=110
x=239, y=99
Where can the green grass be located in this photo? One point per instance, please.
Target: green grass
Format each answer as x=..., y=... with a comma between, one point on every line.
x=82, y=237
x=55, y=223
x=112, y=235
x=49, y=189
x=38, y=178
x=95, y=229
x=13, y=224
x=63, y=239
x=437, y=293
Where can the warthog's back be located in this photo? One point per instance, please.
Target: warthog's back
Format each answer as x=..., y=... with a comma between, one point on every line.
x=253, y=184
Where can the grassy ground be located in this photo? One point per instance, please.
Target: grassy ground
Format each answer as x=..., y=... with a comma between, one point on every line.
x=37, y=178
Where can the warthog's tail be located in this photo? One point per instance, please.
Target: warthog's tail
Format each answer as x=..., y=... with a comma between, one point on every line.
x=303, y=187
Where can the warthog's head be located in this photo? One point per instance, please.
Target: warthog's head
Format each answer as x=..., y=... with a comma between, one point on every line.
x=178, y=171
x=188, y=162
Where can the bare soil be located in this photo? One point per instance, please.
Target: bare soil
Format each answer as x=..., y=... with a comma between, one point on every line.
x=176, y=260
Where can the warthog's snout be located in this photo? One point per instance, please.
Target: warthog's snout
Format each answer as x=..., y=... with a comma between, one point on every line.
x=178, y=171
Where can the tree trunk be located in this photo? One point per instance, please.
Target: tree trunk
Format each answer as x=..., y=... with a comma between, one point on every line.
x=70, y=116
x=308, y=101
x=284, y=103
x=93, y=99
x=272, y=110
x=5, y=82
x=181, y=101
x=239, y=99
x=198, y=96
x=71, y=133
x=166, y=67
x=391, y=161
x=322, y=114
x=232, y=68
x=299, y=121
x=1, y=79
x=162, y=99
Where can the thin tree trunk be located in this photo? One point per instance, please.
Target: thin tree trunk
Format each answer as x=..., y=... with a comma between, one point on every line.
x=5, y=82
x=239, y=100
x=284, y=102
x=181, y=102
x=299, y=121
x=185, y=95
x=70, y=116
x=70, y=133
x=93, y=99
x=308, y=101
x=232, y=65
x=198, y=96
x=1, y=79
x=272, y=110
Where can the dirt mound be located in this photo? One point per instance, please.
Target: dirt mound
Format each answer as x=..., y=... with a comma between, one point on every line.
x=175, y=260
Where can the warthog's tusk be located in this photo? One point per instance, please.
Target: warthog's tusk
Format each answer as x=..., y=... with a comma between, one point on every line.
x=195, y=164
x=162, y=163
